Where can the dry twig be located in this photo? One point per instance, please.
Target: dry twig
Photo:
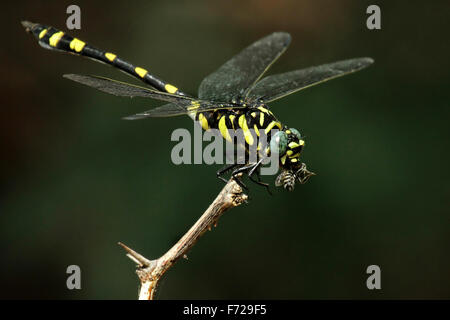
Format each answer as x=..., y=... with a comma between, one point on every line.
x=151, y=271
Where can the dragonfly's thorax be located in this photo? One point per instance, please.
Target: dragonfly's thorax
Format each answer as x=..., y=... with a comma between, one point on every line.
x=252, y=121
x=256, y=122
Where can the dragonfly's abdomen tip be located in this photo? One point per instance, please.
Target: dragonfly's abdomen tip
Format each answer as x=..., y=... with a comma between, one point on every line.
x=28, y=25
x=368, y=60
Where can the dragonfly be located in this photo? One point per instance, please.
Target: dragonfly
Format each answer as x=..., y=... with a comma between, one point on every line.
x=234, y=97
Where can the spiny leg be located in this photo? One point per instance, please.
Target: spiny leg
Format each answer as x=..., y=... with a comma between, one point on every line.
x=225, y=170
x=263, y=184
x=245, y=168
x=256, y=169
x=242, y=169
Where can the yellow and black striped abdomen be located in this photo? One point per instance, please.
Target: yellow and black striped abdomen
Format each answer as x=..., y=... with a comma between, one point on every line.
x=54, y=39
x=252, y=121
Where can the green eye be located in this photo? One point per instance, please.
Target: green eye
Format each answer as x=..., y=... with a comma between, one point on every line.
x=278, y=143
x=296, y=133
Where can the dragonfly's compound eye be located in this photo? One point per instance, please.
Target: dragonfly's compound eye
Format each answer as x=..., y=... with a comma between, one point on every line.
x=278, y=143
x=296, y=133
x=295, y=143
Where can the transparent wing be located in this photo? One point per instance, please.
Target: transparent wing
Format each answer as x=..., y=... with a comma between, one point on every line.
x=178, y=105
x=277, y=86
x=123, y=89
x=236, y=76
x=180, y=108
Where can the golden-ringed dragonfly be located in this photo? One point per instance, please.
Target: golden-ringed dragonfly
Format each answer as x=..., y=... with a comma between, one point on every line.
x=231, y=98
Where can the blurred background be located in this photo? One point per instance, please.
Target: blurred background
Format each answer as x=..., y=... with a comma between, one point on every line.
x=76, y=179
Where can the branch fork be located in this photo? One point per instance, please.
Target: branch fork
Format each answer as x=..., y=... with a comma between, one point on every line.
x=151, y=271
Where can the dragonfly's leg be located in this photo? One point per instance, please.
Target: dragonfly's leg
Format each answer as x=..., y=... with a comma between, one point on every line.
x=239, y=182
x=224, y=170
x=263, y=184
x=242, y=169
x=258, y=174
x=256, y=168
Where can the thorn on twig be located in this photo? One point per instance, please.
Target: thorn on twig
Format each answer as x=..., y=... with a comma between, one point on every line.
x=150, y=271
x=140, y=260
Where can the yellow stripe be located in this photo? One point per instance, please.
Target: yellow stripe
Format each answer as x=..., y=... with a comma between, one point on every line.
x=288, y=131
x=263, y=109
x=232, y=116
x=256, y=129
x=302, y=142
x=247, y=134
x=170, y=88
x=295, y=155
x=194, y=105
x=253, y=114
x=289, y=152
x=293, y=160
x=54, y=39
x=77, y=45
x=141, y=71
x=293, y=145
x=283, y=159
x=203, y=121
x=271, y=125
x=223, y=129
x=42, y=33
x=241, y=121
x=261, y=119
x=110, y=56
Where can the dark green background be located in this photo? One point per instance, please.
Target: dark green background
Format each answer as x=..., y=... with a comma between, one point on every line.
x=76, y=179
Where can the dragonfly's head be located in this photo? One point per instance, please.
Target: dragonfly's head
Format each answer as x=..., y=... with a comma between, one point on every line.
x=289, y=143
